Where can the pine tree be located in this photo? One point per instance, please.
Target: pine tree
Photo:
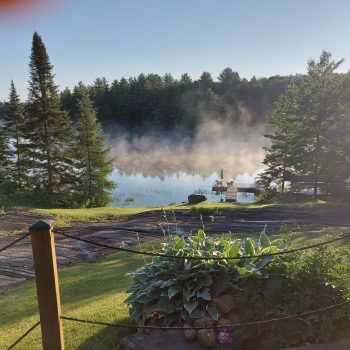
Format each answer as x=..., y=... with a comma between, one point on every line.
x=49, y=128
x=5, y=162
x=91, y=153
x=310, y=123
x=14, y=128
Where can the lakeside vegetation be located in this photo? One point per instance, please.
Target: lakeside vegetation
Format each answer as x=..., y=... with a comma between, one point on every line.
x=311, y=132
x=43, y=154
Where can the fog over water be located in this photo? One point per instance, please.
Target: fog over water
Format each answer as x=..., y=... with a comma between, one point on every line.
x=158, y=171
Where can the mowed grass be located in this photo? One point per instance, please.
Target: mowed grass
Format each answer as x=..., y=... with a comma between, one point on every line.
x=91, y=291
x=64, y=217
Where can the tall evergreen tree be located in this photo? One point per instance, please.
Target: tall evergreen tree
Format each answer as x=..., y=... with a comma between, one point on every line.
x=49, y=128
x=310, y=123
x=91, y=153
x=14, y=127
x=5, y=161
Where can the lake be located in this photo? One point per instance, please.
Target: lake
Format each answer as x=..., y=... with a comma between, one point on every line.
x=139, y=190
x=153, y=171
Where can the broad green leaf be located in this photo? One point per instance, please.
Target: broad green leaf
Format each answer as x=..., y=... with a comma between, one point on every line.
x=233, y=252
x=212, y=311
x=172, y=291
x=167, y=283
x=264, y=240
x=201, y=235
x=225, y=244
x=190, y=306
x=249, y=247
x=198, y=312
x=204, y=294
x=162, y=305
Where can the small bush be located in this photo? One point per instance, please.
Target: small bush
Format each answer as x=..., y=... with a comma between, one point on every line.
x=182, y=289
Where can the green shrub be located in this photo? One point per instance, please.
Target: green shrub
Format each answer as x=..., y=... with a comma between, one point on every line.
x=297, y=283
x=267, y=195
x=182, y=289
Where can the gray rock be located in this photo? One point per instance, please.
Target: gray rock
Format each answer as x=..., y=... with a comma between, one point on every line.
x=190, y=334
x=206, y=337
x=167, y=340
x=196, y=198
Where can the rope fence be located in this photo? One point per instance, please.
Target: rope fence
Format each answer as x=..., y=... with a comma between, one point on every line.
x=14, y=242
x=23, y=335
x=245, y=324
x=182, y=257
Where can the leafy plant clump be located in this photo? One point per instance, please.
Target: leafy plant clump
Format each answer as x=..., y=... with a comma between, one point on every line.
x=299, y=283
x=177, y=291
x=182, y=290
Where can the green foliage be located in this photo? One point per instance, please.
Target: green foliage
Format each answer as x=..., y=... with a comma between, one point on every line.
x=311, y=125
x=183, y=289
x=48, y=129
x=267, y=195
x=14, y=129
x=91, y=154
x=153, y=103
x=297, y=283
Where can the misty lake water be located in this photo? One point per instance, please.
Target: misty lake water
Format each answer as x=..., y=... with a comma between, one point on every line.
x=139, y=190
x=152, y=171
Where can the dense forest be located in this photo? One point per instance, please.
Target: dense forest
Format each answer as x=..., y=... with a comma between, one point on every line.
x=152, y=103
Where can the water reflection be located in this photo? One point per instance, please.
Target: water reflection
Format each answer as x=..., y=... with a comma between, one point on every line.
x=139, y=190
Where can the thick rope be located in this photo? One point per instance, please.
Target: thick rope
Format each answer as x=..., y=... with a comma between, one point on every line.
x=14, y=242
x=245, y=324
x=24, y=335
x=168, y=256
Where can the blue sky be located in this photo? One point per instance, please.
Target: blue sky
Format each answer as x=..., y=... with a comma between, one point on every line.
x=86, y=39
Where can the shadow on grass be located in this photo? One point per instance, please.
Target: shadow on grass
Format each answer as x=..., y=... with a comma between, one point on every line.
x=107, y=338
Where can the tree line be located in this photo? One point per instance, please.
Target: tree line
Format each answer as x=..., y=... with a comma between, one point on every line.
x=43, y=152
x=311, y=128
x=153, y=103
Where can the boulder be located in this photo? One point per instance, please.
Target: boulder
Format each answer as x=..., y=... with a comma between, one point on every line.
x=206, y=337
x=224, y=303
x=196, y=198
x=190, y=334
x=172, y=340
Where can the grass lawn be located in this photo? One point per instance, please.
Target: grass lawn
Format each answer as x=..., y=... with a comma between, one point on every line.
x=89, y=291
x=63, y=217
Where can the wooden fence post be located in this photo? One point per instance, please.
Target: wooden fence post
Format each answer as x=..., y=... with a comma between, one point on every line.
x=45, y=265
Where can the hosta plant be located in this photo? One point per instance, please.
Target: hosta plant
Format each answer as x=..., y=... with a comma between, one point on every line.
x=182, y=289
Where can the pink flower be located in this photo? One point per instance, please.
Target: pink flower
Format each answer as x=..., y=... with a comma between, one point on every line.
x=224, y=337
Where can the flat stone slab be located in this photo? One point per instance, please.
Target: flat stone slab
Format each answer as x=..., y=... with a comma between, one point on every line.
x=175, y=340
x=342, y=345
x=165, y=340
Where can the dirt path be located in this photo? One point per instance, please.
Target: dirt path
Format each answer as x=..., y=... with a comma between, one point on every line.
x=16, y=265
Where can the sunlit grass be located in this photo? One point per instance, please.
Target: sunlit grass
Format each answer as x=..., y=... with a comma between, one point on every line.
x=88, y=290
x=63, y=217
